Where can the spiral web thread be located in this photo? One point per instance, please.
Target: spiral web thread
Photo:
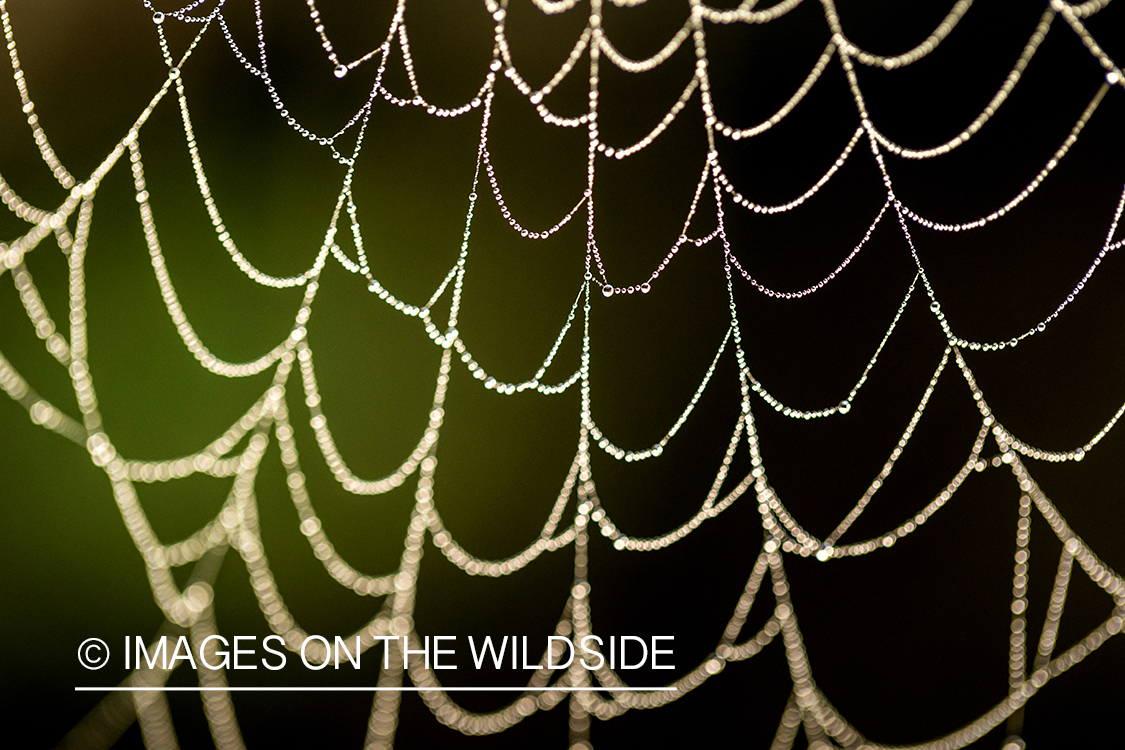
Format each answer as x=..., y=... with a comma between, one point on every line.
x=578, y=507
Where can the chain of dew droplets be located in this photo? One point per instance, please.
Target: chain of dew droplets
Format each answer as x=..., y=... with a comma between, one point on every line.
x=990, y=109
x=844, y=406
x=759, y=208
x=1030, y=188
x=935, y=306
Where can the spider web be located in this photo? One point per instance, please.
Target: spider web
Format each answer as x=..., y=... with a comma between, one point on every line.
x=772, y=534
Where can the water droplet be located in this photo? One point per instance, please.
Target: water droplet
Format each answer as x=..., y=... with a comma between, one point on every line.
x=341, y=71
x=844, y=407
x=495, y=66
x=934, y=306
x=607, y=290
x=646, y=288
x=158, y=18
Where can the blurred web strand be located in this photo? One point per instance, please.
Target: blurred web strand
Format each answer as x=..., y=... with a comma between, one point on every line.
x=578, y=505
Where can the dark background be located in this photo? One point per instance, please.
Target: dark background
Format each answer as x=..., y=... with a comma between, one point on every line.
x=909, y=643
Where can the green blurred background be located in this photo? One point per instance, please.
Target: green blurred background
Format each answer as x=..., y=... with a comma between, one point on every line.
x=909, y=644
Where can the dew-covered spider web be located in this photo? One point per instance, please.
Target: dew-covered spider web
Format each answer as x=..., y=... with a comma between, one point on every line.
x=791, y=332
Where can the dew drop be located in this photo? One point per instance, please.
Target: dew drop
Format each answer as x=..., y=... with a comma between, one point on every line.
x=341, y=71
x=607, y=290
x=646, y=288
x=158, y=18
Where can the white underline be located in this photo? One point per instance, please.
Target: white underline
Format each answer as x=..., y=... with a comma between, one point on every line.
x=245, y=689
